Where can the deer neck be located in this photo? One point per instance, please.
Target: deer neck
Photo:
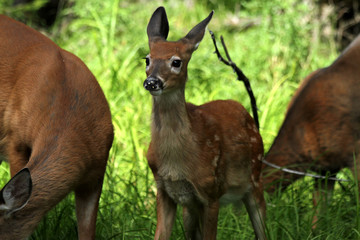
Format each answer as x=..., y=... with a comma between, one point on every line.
x=172, y=136
x=283, y=153
x=169, y=112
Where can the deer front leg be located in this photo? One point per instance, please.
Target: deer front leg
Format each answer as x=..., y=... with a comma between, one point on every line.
x=87, y=203
x=255, y=206
x=166, y=211
x=356, y=168
x=321, y=197
x=210, y=218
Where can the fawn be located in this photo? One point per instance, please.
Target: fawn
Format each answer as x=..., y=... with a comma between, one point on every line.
x=321, y=130
x=200, y=156
x=55, y=132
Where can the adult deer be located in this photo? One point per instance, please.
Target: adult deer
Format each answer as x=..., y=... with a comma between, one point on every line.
x=55, y=128
x=200, y=156
x=321, y=130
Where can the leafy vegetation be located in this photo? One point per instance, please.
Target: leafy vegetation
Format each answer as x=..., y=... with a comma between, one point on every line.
x=276, y=44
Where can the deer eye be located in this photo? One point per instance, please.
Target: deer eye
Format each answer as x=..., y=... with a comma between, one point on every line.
x=176, y=63
x=147, y=61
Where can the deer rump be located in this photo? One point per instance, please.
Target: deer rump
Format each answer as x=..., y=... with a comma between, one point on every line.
x=321, y=130
x=55, y=124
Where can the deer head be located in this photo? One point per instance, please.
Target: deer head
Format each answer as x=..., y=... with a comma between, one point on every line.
x=166, y=65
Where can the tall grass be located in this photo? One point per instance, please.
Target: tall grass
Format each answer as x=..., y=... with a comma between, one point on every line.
x=280, y=48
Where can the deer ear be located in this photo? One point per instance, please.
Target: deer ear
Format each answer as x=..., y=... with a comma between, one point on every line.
x=197, y=33
x=158, y=25
x=16, y=193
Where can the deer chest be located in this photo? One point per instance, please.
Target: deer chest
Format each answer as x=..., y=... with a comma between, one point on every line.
x=181, y=191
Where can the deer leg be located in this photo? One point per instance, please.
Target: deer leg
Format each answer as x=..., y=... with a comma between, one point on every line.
x=87, y=203
x=210, y=218
x=255, y=206
x=166, y=211
x=191, y=223
x=356, y=170
x=321, y=197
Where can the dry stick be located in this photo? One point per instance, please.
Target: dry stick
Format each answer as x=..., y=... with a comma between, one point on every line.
x=241, y=76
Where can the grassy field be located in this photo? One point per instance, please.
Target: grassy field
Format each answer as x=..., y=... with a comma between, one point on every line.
x=276, y=44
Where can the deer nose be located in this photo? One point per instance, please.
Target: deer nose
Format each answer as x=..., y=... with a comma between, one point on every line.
x=153, y=85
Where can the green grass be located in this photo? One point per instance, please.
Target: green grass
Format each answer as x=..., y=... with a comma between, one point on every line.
x=283, y=47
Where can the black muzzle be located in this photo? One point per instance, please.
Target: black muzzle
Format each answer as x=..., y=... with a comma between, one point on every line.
x=153, y=84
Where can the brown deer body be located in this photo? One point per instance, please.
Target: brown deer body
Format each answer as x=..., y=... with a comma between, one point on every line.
x=321, y=130
x=56, y=124
x=200, y=156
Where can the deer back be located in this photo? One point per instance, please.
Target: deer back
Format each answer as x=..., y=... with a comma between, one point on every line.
x=321, y=129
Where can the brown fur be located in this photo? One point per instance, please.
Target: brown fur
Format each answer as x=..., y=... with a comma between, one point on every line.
x=54, y=120
x=200, y=156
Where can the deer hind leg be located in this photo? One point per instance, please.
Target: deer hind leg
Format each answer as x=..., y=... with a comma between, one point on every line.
x=87, y=202
x=321, y=198
x=191, y=223
x=200, y=222
x=256, y=208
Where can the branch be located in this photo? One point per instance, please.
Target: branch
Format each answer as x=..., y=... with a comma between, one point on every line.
x=239, y=73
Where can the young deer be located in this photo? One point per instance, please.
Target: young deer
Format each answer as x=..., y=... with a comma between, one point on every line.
x=55, y=128
x=200, y=156
x=321, y=130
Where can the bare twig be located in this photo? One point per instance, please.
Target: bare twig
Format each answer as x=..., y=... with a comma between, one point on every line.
x=303, y=173
x=240, y=75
